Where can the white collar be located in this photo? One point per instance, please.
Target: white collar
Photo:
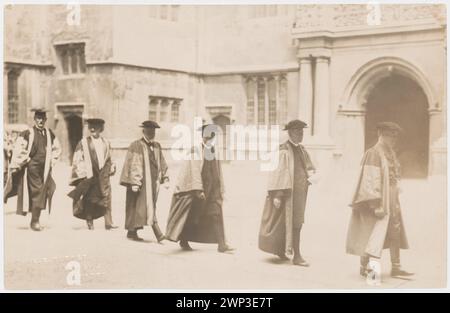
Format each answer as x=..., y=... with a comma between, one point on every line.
x=40, y=129
x=295, y=144
x=147, y=140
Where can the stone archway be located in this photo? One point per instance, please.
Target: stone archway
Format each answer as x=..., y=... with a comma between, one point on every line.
x=401, y=100
x=390, y=89
x=367, y=77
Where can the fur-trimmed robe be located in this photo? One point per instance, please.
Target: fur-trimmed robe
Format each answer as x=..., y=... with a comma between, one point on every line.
x=367, y=234
x=33, y=183
x=92, y=193
x=141, y=205
x=277, y=225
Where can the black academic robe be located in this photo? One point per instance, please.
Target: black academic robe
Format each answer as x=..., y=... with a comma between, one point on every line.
x=193, y=219
x=289, y=182
x=31, y=161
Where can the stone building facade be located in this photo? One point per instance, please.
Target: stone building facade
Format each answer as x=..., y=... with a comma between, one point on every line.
x=341, y=68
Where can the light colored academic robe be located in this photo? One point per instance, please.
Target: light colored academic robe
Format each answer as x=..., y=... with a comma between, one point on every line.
x=141, y=205
x=367, y=234
x=91, y=178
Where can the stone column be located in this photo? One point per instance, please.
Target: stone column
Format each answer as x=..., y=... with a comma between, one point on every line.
x=305, y=93
x=438, y=142
x=169, y=111
x=322, y=99
x=158, y=110
x=255, y=100
x=279, y=109
x=266, y=100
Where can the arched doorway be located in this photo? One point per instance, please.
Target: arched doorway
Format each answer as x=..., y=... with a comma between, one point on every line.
x=400, y=99
x=74, y=125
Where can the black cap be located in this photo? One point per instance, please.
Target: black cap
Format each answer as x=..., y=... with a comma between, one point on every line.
x=149, y=124
x=95, y=122
x=295, y=124
x=389, y=126
x=39, y=111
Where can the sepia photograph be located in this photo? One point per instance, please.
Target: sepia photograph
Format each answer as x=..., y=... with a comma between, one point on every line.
x=244, y=146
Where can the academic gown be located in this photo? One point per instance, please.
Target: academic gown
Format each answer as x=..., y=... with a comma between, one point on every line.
x=289, y=183
x=377, y=187
x=92, y=193
x=145, y=167
x=190, y=218
x=34, y=154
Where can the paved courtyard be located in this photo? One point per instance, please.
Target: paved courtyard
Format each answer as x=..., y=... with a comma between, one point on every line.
x=109, y=261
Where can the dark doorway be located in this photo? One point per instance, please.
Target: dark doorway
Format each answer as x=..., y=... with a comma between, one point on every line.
x=401, y=100
x=222, y=121
x=74, y=132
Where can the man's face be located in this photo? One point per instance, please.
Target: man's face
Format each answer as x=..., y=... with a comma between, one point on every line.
x=39, y=120
x=390, y=138
x=149, y=133
x=296, y=135
x=95, y=130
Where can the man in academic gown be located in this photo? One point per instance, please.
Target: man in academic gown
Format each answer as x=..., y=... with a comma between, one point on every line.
x=284, y=209
x=92, y=167
x=196, y=210
x=143, y=171
x=376, y=222
x=35, y=152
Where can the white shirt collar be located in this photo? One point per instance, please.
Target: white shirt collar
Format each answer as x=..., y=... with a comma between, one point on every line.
x=295, y=144
x=147, y=140
x=42, y=130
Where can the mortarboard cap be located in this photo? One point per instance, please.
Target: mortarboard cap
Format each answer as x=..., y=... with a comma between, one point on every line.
x=39, y=111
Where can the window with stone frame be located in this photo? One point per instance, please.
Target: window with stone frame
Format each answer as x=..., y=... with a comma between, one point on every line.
x=71, y=58
x=13, y=97
x=153, y=109
x=164, y=12
x=175, y=114
x=266, y=99
x=164, y=109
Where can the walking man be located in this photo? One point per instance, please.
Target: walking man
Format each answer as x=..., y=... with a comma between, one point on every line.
x=376, y=222
x=92, y=167
x=196, y=210
x=34, y=155
x=284, y=210
x=143, y=171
